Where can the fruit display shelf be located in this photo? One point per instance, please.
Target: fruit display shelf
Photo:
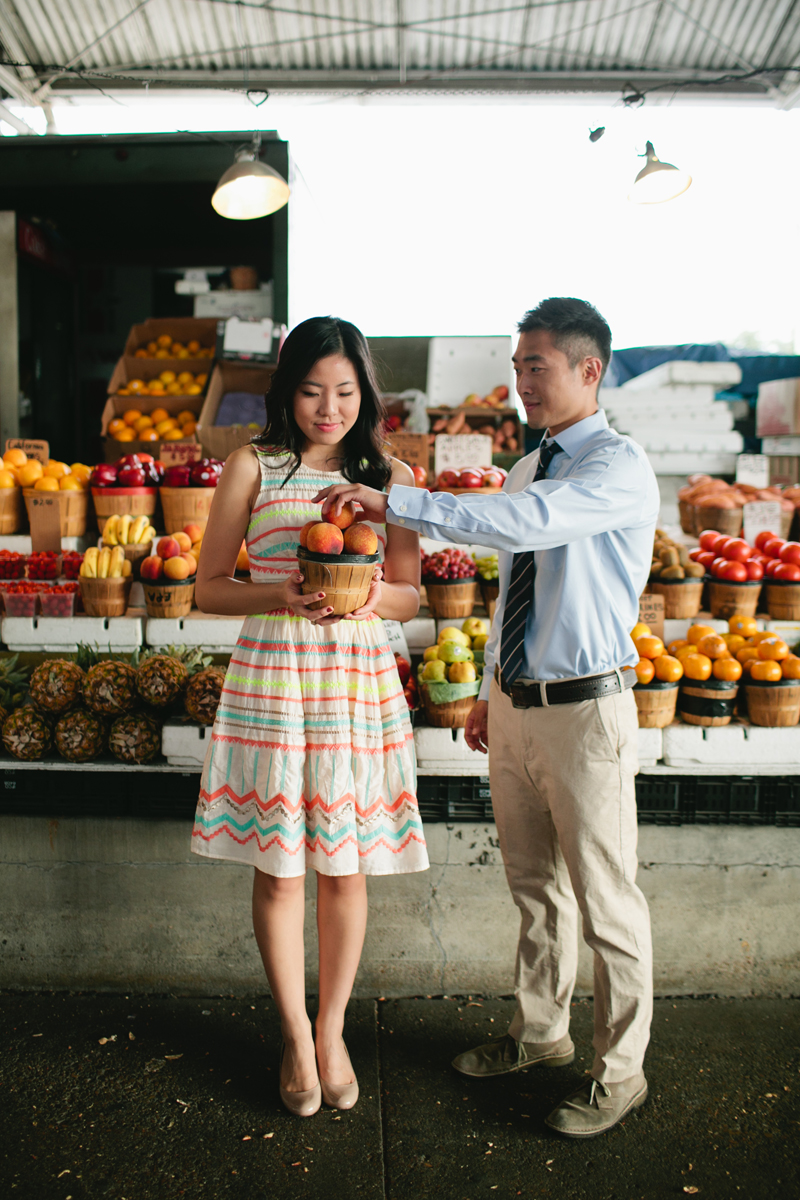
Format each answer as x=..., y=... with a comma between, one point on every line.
x=744, y=748
x=65, y=634
x=20, y=543
x=217, y=635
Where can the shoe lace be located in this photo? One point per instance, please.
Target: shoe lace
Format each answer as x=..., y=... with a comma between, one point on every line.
x=603, y=1090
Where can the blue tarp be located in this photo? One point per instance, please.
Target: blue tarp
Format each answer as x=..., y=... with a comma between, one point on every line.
x=757, y=365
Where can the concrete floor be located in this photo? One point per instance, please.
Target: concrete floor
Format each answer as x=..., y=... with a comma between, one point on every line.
x=181, y=1101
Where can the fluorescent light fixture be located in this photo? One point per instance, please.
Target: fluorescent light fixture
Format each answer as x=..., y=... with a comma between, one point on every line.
x=658, y=181
x=249, y=188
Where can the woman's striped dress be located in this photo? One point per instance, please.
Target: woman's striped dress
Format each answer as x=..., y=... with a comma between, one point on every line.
x=311, y=758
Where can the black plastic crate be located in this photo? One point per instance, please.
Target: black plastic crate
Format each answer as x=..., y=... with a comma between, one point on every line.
x=658, y=800
x=711, y=801
x=454, y=798
x=781, y=800
x=147, y=793
x=749, y=802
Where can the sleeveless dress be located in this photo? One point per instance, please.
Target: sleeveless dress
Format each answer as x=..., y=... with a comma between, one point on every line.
x=311, y=759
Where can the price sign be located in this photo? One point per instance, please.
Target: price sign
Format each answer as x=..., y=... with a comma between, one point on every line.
x=454, y=451
x=760, y=516
x=44, y=511
x=753, y=469
x=395, y=636
x=179, y=454
x=411, y=448
x=33, y=447
x=651, y=611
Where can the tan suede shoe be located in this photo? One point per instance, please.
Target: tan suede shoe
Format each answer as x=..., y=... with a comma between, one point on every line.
x=597, y=1107
x=507, y=1055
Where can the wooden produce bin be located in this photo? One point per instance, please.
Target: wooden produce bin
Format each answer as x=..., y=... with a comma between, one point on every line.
x=116, y=405
x=483, y=420
x=219, y=441
x=180, y=329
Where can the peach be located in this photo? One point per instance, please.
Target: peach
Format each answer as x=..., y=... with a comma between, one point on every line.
x=183, y=540
x=177, y=568
x=151, y=567
x=324, y=538
x=243, y=559
x=344, y=519
x=168, y=547
x=304, y=531
x=360, y=539
x=195, y=532
x=191, y=560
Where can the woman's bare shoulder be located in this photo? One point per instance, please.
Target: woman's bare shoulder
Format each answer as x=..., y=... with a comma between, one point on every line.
x=401, y=473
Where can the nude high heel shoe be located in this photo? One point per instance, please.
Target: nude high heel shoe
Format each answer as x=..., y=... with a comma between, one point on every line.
x=299, y=1104
x=340, y=1095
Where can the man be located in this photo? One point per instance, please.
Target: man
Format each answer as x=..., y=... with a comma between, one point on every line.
x=574, y=526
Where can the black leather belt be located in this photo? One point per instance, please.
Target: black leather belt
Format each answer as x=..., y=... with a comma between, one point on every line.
x=567, y=691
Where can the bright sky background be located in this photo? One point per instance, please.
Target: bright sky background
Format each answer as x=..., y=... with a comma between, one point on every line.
x=454, y=218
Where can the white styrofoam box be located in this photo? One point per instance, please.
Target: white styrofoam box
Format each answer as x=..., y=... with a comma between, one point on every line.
x=440, y=746
x=668, y=440
x=737, y=745
x=458, y=366
x=684, y=373
x=185, y=745
x=780, y=446
x=689, y=462
x=20, y=543
x=649, y=747
x=788, y=630
x=420, y=632
x=218, y=635
x=65, y=634
x=716, y=418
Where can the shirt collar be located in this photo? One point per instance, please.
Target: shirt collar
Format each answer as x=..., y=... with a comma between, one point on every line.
x=571, y=439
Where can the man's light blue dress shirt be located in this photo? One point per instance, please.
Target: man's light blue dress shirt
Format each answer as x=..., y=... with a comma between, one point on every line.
x=591, y=523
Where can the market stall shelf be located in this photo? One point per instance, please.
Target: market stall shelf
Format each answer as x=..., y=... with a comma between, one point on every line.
x=736, y=746
x=65, y=634
x=217, y=635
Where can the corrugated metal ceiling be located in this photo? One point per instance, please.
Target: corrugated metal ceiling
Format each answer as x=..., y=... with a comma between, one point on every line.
x=396, y=45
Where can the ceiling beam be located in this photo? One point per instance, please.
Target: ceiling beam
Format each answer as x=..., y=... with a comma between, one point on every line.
x=16, y=122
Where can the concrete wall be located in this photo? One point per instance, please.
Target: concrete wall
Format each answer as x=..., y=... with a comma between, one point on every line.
x=122, y=904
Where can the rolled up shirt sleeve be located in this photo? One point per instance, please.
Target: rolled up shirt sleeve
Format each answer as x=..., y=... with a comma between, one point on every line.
x=604, y=493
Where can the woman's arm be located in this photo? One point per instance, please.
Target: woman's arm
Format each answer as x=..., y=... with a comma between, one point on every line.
x=217, y=591
x=396, y=596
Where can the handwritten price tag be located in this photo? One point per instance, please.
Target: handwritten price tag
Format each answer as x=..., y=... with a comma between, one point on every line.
x=759, y=517
x=452, y=452
x=395, y=636
x=44, y=513
x=179, y=454
x=33, y=447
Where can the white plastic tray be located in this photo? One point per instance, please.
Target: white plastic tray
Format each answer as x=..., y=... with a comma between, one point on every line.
x=734, y=746
x=65, y=634
x=218, y=635
x=185, y=745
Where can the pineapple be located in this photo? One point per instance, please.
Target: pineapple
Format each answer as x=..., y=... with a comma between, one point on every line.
x=56, y=686
x=162, y=677
x=80, y=735
x=110, y=688
x=13, y=681
x=135, y=738
x=203, y=694
x=26, y=734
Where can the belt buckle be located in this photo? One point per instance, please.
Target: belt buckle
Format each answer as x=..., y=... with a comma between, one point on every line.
x=521, y=695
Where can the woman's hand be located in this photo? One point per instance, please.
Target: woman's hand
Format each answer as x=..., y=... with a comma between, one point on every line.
x=367, y=610
x=298, y=601
x=372, y=502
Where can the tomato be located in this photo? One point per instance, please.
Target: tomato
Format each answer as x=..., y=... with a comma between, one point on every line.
x=721, y=547
x=789, y=571
x=728, y=669
x=709, y=539
x=773, y=547
x=733, y=572
x=737, y=550
x=790, y=552
x=772, y=566
x=705, y=558
x=762, y=538
x=755, y=570
x=716, y=567
x=695, y=555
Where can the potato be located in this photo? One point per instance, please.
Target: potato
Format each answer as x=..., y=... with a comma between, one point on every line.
x=670, y=557
x=683, y=556
x=695, y=570
x=655, y=568
x=674, y=572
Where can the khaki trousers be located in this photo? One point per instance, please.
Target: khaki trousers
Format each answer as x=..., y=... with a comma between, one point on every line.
x=562, y=782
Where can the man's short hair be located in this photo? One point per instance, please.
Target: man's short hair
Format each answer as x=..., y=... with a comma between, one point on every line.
x=577, y=329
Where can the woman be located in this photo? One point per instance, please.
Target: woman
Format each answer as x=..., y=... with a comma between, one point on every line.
x=311, y=760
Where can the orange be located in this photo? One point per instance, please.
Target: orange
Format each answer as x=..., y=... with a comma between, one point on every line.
x=696, y=632
x=745, y=653
x=131, y=416
x=697, y=666
x=176, y=348
x=790, y=667
x=144, y=422
x=7, y=480
x=201, y=381
x=123, y=391
x=185, y=416
x=30, y=473
x=56, y=469
x=164, y=342
x=15, y=458
x=185, y=377
x=173, y=435
x=152, y=347
x=759, y=636
x=70, y=483
x=158, y=414
x=140, y=354
x=164, y=426
x=162, y=353
x=115, y=426
x=167, y=377
x=175, y=389
x=734, y=641
x=125, y=435
x=746, y=626
x=136, y=385
x=728, y=669
x=766, y=671
x=774, y=648
x=188, y=428
x=46, y=484
x=713, y=646
x=649, y=646
x=81, y=471
x=644, y=670
x=193, y=347
x=677, y=644
x=156, y=388
x=668, y=669
x=148, y=435
x=192, y=389
x=683, y=651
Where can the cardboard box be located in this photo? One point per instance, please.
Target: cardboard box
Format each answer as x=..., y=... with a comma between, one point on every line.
x=115, y=406
x=411, y=448
x=149, y=369
x=784, y=469
x=778, y=408
x=219, y=441
x=182, y=329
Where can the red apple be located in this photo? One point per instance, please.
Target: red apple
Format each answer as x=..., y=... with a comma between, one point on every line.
x=471, y=477
x=420, y=476
x=175, y=477
x=493, y=477
x=403, y=668
x=447, y=479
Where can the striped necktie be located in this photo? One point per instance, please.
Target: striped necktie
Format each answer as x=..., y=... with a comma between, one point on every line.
x=519, y=600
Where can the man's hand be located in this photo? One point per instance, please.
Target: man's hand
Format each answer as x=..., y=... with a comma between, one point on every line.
x=476, y=733
x=372, y=502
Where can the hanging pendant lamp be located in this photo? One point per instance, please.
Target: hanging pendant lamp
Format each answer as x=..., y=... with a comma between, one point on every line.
x=658, y=181
x=249, y=188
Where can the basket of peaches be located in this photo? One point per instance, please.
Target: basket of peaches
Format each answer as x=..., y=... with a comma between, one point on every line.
x=23, y=478
x=168, y=575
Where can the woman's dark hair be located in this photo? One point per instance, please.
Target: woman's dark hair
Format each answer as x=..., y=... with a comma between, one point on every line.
x=363, y=458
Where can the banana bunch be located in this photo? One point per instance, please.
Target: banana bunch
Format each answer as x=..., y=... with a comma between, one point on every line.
x=108, y=563
x=127, y=530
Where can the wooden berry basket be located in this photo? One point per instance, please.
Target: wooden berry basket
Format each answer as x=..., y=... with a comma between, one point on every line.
x=134, y=501
x=655, y=703
x=452, y=715
x=776, y=705
x=783, y=600
x=185, y=506
x=344, y=578
x=451, y=597
x=727, y=599
x=724, y=520
x=709, y=703
x=682, y=597
x=490, y=590
x=73, y=508
x=11, y=510
x=169, y=597
x=105, y=597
